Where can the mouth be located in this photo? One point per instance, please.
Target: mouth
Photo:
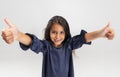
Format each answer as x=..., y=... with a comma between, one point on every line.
x=57, y=40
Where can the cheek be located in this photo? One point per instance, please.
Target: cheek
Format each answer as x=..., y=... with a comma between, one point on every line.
x=52, y=36
x=63, y=36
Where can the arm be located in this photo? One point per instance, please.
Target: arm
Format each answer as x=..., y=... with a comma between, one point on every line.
x=106, y=32
x=12, y=33
x=24, y=39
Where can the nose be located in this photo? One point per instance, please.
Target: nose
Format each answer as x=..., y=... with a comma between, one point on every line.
x=57, y=35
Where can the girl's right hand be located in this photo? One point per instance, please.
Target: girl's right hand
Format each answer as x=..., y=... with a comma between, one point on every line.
x=11, y=33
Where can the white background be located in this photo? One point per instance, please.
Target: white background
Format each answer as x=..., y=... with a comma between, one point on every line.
x=101, y=59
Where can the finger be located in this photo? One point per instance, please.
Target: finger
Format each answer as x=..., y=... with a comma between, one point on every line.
x=11, y=41
x=110, y=36
x=8, y=22
x=108, y=25
x=6, y=33
x=106, y=28
x=8, y=39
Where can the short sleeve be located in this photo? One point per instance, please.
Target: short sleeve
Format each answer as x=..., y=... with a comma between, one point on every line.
x=78, y=40
x=36, y=45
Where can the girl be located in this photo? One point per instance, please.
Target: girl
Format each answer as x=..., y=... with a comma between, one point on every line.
x=57, y=45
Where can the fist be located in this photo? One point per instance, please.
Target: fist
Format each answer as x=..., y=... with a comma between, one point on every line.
x=11, y=33
x=108, y=32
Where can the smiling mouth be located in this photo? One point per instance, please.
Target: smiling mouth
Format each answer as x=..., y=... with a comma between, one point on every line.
x=56, y=40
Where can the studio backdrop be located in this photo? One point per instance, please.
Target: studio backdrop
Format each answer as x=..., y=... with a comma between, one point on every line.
x=100, y=59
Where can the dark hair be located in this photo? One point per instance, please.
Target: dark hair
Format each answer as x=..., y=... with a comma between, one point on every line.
x=57, y=20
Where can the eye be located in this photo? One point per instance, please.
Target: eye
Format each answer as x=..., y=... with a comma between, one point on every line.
x=54, y=32
x=62, y=32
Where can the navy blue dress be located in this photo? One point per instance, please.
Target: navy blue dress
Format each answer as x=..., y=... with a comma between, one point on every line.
x=57, y=62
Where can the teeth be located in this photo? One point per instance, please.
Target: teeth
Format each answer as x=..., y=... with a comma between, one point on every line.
x=57, y=40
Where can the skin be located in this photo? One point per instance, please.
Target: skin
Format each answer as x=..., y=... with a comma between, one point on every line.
x=57, y=34
x=105, y=32
x=12, y=33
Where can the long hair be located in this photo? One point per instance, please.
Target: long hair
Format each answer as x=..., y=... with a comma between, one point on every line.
x=57, y=20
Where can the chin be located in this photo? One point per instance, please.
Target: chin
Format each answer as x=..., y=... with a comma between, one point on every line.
x=58, y=44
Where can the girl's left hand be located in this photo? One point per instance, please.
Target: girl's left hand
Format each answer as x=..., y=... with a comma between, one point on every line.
x=107, y=32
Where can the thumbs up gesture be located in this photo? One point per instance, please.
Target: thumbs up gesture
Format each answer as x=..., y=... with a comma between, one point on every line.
x=107, y=32
x=11, y=33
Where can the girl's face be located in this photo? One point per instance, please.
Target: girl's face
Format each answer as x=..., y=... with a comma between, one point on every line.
x=57, y=35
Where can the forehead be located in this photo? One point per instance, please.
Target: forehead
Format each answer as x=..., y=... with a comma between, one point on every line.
x=57, y=27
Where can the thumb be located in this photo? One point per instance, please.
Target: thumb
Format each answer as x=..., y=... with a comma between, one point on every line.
x=9, y=23
x=108, y=25
x=105, y=30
